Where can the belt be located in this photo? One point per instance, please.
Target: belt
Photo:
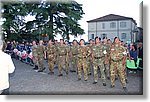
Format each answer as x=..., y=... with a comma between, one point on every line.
x=62, y=54
x=81, y=57
x=74, y=54
x=98, y=57
x=50, y=53
x=116, y=60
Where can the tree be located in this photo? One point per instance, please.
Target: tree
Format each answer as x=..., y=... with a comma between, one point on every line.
x=50, y=18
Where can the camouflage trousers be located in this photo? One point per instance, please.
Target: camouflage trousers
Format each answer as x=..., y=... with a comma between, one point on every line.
x=89, y=65
x=107, y=70
x=81, y=64
x=35, y=61
x=124, y=70
x=74, y=63
x=98, y=63
x=61, y=64
x=40, y=63
x=51, y=60
x=116, y=68
x=67, y=63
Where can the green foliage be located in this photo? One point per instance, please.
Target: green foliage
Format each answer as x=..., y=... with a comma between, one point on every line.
x=50, y=18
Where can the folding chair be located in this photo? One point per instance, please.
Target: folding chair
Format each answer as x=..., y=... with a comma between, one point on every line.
x=131, y=64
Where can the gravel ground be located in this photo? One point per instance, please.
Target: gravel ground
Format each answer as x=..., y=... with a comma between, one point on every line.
x=26, y=81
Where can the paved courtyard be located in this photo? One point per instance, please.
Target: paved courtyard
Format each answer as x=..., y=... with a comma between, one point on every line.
x=25, y=80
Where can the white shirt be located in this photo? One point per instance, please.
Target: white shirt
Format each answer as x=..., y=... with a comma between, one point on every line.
x=6, y=67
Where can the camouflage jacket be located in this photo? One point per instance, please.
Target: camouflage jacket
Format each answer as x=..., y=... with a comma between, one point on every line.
x=117, y=52
x=107, y=56
x=83, y=51
x=98, y=51
x=74, y=50
x=34, y=51
x=90, y=48
x=40, y=50
x=51, y=49
x=62, y=51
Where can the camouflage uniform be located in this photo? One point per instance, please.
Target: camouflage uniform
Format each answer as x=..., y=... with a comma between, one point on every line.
x=83, y=52
x=51, y=54
x=35, y=55
x=74, y=57
x=89, y=60
x=56, y=56
x=40, y=57
x=125, y=74
x=117, y=54
x=107, y=60
x=62, y=52
x=98, y=54
x=67, y=58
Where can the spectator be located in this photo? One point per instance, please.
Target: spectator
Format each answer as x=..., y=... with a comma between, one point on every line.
x=140, y=54
x=133, y=54
x=9, y=47
x=6, y=67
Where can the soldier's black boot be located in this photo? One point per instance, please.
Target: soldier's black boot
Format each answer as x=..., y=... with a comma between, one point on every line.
x=112, y=86
x=89, y=74
x=125, y=89
x=40, y=70
x=94, y=82
x=79, y=79
x=35, y=68
x=104, y=84
x=51, y=73
x=60, y=75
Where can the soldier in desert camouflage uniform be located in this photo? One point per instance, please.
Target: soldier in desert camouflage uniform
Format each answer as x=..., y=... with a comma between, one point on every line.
x=62, y=52
x=128, y=56
x=107, y=58
x=98, y=56
x=51, y=53
x=41, y=55
x=67, y=56
x=34, y=54
x=73, y=54
x=118, y=59
x=56, y=57
x=83, y=52
x=89, y=58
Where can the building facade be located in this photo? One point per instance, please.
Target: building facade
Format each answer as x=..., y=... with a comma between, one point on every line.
x=111, y=26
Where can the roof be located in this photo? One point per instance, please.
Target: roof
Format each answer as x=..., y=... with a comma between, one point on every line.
x=111, y=17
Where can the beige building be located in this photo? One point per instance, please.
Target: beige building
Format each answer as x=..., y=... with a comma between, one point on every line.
x=111, y=26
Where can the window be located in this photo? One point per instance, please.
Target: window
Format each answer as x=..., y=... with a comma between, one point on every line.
x=103, y=36
x=123, y=36
x=123, y=24
x=112, y=25
x=103, y=25
x=92, y=36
